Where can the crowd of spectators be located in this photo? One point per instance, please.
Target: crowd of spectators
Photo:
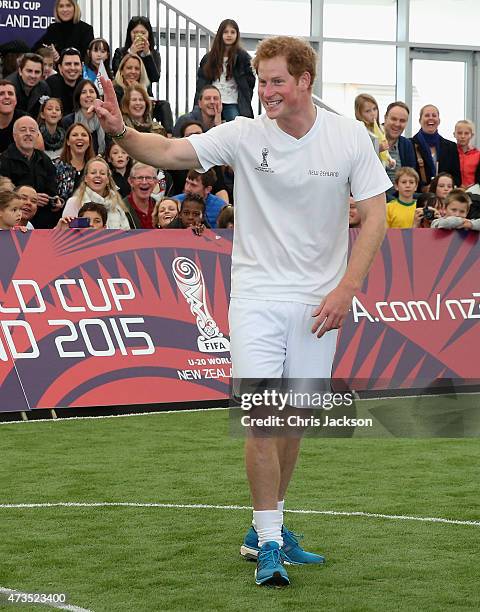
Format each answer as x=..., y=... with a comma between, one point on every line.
x=60, y=164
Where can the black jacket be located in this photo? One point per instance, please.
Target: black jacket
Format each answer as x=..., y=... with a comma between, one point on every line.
x=28, y=102
x=60, y=89
x=244, y=78
x=448, y=160
x=38, y=172
x=64, y=34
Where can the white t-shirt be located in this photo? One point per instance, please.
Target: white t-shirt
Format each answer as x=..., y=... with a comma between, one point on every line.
x=227, y=87
x=291, y=201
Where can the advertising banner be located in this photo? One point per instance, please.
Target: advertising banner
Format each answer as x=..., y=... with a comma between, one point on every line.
x=25, y=20
x=115, y=318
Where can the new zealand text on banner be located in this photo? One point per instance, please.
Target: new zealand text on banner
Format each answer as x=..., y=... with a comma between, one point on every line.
x=108, y=318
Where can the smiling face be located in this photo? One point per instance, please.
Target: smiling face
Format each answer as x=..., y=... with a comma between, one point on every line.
x=8, y=99
x=65, y=10
x=282, y=97
x=131, y=71
x=51, y=112
x=97, y=176
x=395, y=122
x=209, y=101
x=70, y=69
x=136, y=106
x=31, y=73
x=11, y=215
x=87, y=96
x=28, y=202
x=167, y=211
x=429, y=119
x=142, y=180
x=78, y=140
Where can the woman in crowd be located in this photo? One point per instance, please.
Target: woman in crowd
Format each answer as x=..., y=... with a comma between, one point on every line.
x=164, y=212
x=434, y=153
x=225, y=219
x=98, y=186
x=120, y=164
x=98, y=51
x=228, y=66
x=77, y=150
x=49, y=123
x=83, y=97
x=131, y=71
x=136, y=109
x=67, y=30
x=139, y=41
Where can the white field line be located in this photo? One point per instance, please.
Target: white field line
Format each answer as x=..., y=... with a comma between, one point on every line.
x=60, y=606
x=394, y=517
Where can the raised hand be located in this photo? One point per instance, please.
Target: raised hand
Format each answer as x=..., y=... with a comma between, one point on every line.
x=108, y=111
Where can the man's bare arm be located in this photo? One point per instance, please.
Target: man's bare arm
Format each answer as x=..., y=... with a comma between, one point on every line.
x=151, y=149
x=331, y=313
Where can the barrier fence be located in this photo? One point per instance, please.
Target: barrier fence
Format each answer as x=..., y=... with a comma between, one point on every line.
x=91, y=319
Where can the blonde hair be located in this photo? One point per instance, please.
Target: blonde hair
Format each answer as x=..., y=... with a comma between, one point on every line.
x=127, y=94
x=407, y=171
x=111, y=191
x=118, y=80
x=157, y=208
x=6, y=184
x=427, y=106
x=466, y=122
x=77, y=13
x=298, y=53
x=360, y=100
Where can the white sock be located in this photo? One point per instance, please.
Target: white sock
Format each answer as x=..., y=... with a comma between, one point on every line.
x=268, y=524
x=280, y=506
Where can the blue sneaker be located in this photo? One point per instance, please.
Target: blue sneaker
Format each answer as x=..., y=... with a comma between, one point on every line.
x=292, y=552
x=270, y=570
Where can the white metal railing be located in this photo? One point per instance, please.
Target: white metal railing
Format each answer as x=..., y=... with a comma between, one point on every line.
x=180, y=40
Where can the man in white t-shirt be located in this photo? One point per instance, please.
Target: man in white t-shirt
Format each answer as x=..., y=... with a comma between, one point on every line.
x=291, y=287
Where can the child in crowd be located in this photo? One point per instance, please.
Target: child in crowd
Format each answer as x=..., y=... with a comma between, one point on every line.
x=428, y=209
x=354, y=219
x=47, y=55
x=401, y=210
x=164, y=212
x=191, y=215
x=10, y=210
x=457, y=205
x=97, y=213
x=225, y=219
x=49, y=118
x=366, y=111
x=98, y=51
x=6, y=184
x=441, y=186
x=120, y=164
x=468, y=154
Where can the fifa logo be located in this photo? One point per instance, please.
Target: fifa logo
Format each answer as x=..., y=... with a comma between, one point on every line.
x=264, y=163
x=190, y=281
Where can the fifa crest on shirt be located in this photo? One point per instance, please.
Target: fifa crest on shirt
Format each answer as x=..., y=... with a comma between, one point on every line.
x=264, y=167
x=190, y=281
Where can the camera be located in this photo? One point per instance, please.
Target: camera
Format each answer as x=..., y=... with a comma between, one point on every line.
x=428, y=214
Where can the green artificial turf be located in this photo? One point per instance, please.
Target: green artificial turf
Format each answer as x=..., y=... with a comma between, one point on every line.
x=118, y=559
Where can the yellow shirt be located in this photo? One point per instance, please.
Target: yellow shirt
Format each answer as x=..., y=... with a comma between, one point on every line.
x=400, y=214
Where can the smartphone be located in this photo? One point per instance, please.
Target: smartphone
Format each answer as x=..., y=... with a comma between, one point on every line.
x=79, y=222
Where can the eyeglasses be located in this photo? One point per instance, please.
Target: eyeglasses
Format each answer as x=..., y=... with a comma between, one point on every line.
x=149, y=179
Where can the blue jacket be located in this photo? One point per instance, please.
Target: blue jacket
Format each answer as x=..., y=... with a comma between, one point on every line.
x=407, y=153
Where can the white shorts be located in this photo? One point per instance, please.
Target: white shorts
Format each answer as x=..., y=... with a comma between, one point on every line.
x=271, y=339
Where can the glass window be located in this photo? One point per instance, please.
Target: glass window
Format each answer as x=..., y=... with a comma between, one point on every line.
x=350, y=69
x=254, y=16
x=428, y=85
x=449, y=22
x=362, y=19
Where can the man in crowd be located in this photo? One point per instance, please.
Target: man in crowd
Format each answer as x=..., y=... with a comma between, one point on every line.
x=29, y=199
x=142, y=180
x=399, y=147
x=291, y=287
x=208, y=112
x=62, y=85
x=28, y=83
x=202, y=183
x=26, y=165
